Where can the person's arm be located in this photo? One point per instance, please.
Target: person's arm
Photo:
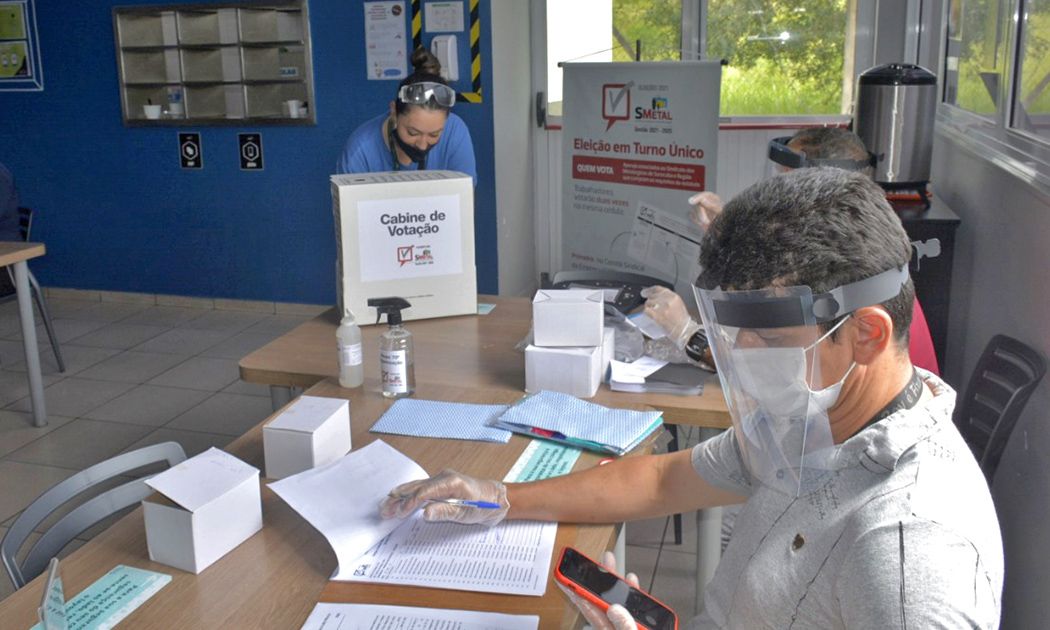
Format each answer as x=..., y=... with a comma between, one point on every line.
x=917, y=574
x=627, y=489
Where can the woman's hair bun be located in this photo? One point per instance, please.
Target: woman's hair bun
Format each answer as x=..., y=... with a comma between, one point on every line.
x=424, y=62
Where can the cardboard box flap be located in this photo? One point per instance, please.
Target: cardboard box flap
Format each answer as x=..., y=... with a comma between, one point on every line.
x=307, y=414
x=199, y=480
x=568, y=295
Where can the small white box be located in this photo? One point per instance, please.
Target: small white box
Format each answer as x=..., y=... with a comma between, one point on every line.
x=311, y=432
x=576, y=371
x=210, y=504
x=567, y=318
x=408, y=234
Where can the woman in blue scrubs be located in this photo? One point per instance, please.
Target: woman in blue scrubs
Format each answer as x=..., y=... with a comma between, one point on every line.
x=420, y=132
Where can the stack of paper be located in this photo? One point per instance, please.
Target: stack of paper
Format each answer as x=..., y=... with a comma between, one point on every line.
x=650, y=375
x=431, y=418
x=572, y=421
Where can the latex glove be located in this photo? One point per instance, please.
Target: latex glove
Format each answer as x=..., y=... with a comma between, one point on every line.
x=448, y=484
x=666, y=308
x=706, y=206
x=617, y=617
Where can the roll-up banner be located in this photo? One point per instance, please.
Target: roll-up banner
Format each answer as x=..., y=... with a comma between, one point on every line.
x=640, y=138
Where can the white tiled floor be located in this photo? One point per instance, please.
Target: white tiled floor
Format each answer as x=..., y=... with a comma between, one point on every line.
x=138, y=374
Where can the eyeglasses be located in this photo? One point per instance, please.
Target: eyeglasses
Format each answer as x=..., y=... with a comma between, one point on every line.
x=426, y=92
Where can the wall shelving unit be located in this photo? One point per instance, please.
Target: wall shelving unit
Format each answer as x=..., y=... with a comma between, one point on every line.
x=223, y=64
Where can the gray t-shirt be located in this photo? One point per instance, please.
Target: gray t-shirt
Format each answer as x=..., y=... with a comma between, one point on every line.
x=903, y=535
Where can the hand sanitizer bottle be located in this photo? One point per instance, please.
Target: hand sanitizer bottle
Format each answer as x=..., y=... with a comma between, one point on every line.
x=396, y=355
x=351, y=358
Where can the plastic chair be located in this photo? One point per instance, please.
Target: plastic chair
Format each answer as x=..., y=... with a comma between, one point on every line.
x=920, y=344
x=1001, y=384
x=88, y=513
x=25, y=225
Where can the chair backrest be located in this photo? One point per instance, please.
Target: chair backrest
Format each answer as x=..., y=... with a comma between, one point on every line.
x=1001, y=384
x=25, y=222
x=84, y=515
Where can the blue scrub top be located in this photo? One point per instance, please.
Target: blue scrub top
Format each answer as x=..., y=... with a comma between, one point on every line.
x=366, y=151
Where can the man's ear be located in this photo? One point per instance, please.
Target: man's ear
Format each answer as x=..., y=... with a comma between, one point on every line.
x=872, y=334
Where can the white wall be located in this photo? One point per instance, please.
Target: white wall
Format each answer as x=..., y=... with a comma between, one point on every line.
x=1002, y=256
x=512, y=122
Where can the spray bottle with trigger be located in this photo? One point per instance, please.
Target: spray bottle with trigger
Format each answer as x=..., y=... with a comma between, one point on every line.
x=397, y=360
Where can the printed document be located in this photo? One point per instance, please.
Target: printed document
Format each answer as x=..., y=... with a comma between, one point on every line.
x=375, y=617
x=513, y=557
x=342, y=499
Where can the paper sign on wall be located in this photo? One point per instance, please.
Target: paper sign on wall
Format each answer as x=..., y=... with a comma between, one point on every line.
x=411, y=237
x=385, y=40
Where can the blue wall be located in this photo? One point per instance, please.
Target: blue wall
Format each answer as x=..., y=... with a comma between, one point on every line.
x=118, y=213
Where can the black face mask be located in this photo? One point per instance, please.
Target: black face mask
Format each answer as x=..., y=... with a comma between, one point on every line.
x=414, y=153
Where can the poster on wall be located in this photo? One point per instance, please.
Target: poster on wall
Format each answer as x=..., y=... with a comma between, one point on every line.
x=639, y=140
x=20, y=67
x=386, y=44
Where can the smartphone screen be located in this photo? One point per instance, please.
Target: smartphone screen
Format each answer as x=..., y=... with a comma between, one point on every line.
x=591, y=576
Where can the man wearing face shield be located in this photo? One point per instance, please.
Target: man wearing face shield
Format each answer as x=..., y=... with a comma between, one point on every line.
x=863, y=506
x=419, y=132
x=811, y=147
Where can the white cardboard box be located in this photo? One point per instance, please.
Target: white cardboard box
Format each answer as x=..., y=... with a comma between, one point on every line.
x=407, y=234
x=310, y=432
x=207, y=505
x=576, y=371
x=567, y=317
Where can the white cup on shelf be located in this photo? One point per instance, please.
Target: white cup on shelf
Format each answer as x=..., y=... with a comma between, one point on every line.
x=293, y=108
x=152, y=112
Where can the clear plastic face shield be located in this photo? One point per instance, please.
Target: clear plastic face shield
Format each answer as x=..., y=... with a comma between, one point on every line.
x=765, y=344
x=783, y=158
x=427, y=93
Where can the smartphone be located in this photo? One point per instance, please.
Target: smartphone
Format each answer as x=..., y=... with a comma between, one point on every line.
x=596, y=584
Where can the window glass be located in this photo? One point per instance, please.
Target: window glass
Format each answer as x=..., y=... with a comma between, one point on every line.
x=975, y=59
x=785, y=58
x=654, y=24
x=1032, y=104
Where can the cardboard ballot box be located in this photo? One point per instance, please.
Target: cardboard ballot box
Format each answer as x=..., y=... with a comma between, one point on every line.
x=206, y=506
x=406, y=234
x=311, y=432
x=576, y=371
x=567, y=317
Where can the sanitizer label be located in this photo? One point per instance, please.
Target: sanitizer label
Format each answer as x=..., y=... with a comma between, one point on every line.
x=350, y=354
x=394, y=368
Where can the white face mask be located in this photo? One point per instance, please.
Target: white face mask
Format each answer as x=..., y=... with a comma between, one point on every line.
x=776, y=378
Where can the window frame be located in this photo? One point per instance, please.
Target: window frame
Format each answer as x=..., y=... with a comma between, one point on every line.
x=1017, y=151
x=866, y=18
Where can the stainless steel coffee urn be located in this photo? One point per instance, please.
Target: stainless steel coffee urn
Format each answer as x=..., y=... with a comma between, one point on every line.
x=894, y=116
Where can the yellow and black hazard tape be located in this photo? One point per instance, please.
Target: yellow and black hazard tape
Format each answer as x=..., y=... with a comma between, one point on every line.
x=475, y=48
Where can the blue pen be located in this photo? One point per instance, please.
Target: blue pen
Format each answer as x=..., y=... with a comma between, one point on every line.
x=483, y=505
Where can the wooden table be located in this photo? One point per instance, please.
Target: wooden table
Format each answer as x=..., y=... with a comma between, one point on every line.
x=479, y=350
x=273, y=579
x=16, y=254
x=474, y=349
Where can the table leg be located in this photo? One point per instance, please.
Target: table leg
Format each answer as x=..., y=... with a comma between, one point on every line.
x=708, y=540
x=279, y=396
x=25, y=315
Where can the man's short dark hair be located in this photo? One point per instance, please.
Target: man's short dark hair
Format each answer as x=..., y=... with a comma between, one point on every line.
x=819, y=227
x=829, y=143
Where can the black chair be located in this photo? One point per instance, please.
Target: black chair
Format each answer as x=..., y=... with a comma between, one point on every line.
x=1001, y=384
x=25, y=226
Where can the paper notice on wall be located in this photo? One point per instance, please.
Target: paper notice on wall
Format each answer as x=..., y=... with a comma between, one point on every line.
x=410, y=237
x=386, y=45
x=663, y=241
x=443, y=17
